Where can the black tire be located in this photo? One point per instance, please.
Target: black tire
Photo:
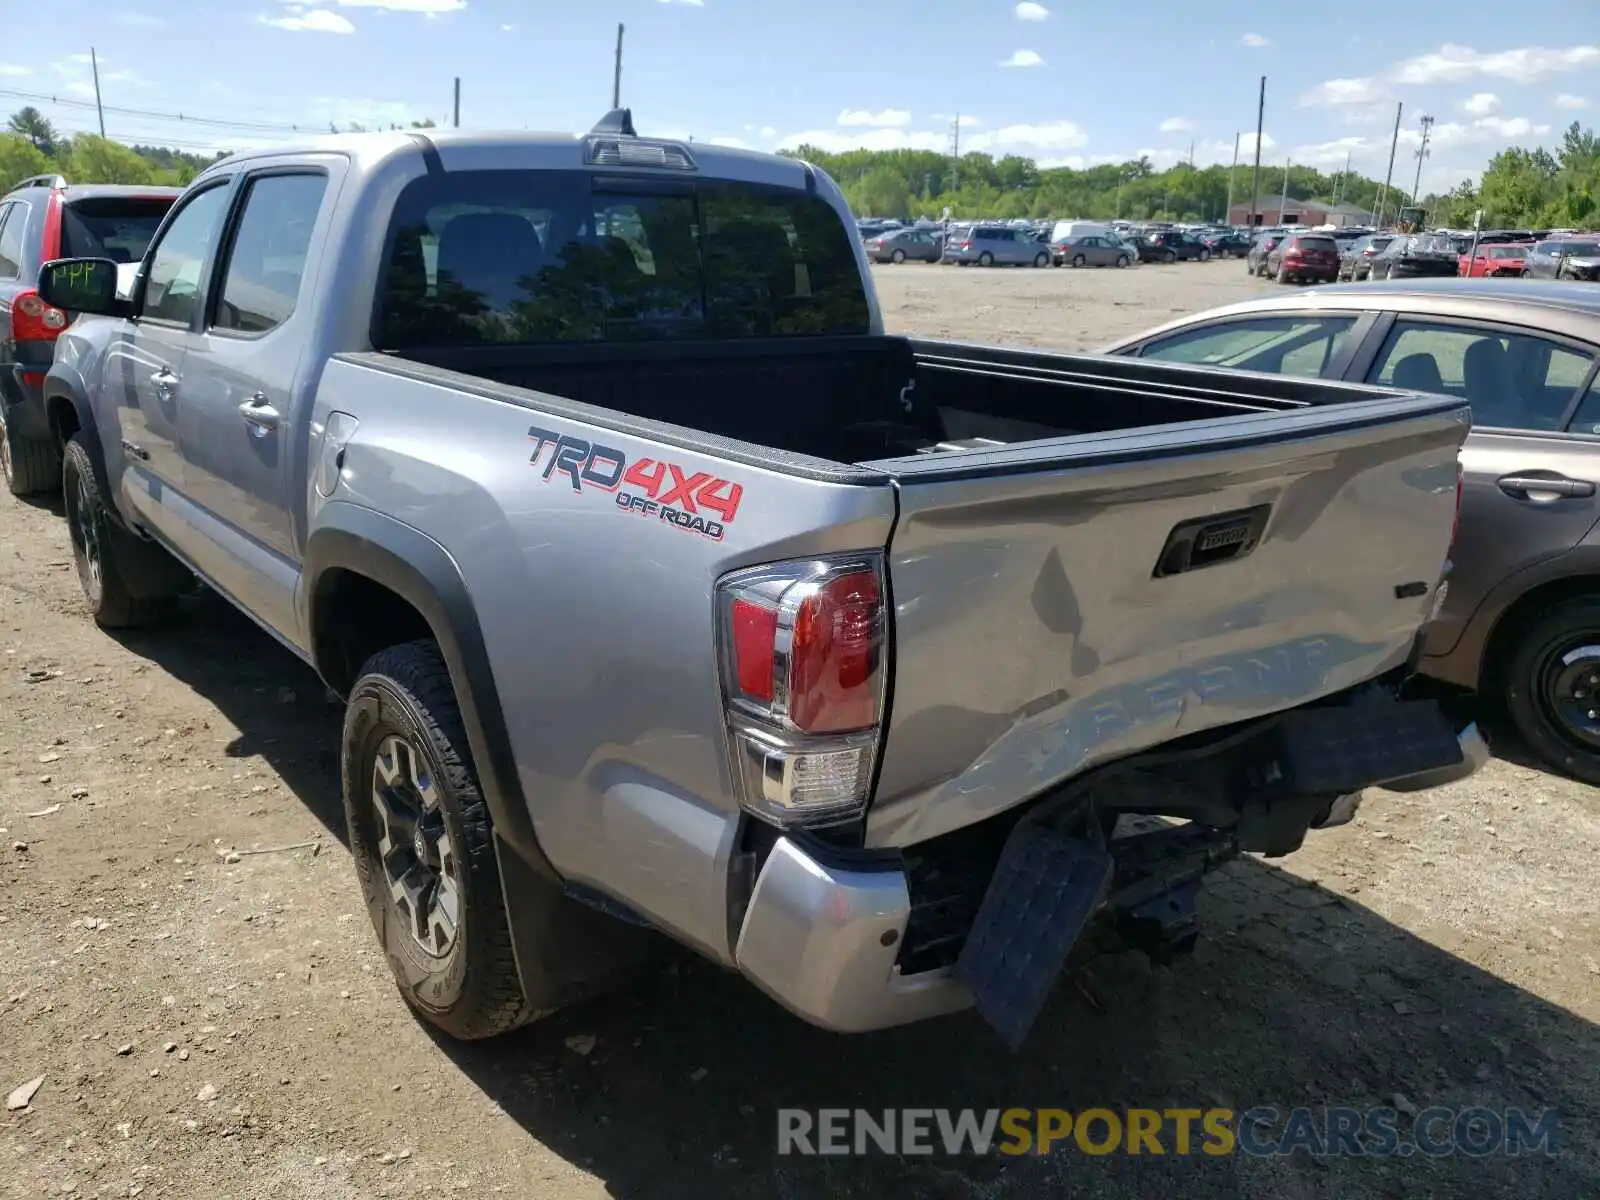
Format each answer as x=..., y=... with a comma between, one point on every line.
x=473, y=990
x=1122, y=260
x=29, y=465
x=1078, y=260
x=1205, y=255
x=986, y=259
x=1171, y=256
x=1042, y=259
x=1283, y=273
x=1535, y=680
x=126, y=580
x=898, y=257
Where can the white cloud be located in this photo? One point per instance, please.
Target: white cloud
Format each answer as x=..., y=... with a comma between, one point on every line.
x=431, y=7
x=1027, y=139
x=1362, y=89
x=1565, y=100
x=317, y=20
x=766, y=131
x=10, y=69
x=967, y=122
x=732, y=143
x=889, y=118
x=1332, y=154
x=1176, y=125
x=1481, y=104
x=138, y=20
x=1452, y=63
x=1255, y=40
x=1075, y=162
x=508, y=29
x=1513, y=127
x=836, y=141
x=1047, y=141
x=690, y=3
x=1023, y=58
x=1029, y=11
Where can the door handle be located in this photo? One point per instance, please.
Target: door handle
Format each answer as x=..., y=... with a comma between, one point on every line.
x=259, y=414
x=1519, y=486
x=164, y=381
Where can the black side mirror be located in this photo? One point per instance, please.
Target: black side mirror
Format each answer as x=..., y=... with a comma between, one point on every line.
x=82, y=285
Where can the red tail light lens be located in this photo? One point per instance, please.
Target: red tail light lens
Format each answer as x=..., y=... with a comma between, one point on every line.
x=32, y=320
x=803, y=649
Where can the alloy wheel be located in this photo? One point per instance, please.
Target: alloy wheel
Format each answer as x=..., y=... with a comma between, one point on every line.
x=419, y=862
x=1568, y=684
x=86, y=530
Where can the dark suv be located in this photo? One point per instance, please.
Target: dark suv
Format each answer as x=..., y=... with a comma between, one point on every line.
x=44, y=218
x=1304, y=258
x=1169, y=245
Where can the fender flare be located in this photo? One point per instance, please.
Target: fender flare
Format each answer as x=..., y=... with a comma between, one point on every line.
x=59, y=384
x=421, y=571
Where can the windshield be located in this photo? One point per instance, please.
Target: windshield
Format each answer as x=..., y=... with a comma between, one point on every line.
x=118, y=228
x=553, y=256
x=1505, y=251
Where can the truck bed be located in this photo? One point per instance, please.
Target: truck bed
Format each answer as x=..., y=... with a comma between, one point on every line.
x=855, y=399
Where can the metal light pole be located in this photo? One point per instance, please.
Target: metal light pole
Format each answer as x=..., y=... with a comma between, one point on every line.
x=1227, y=213
x=616, y=74
x=94, y=65
x=1422, y=153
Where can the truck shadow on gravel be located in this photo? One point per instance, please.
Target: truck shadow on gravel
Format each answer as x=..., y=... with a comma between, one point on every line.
x=1295, y=997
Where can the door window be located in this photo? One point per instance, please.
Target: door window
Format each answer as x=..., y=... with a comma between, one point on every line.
x=172, y=288
x=1512, y=380
x=13, y=221
x=268, y=257
x=1587, y=419
x=1298, y=345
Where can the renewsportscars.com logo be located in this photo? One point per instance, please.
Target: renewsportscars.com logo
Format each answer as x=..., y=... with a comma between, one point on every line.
x=696, y=501
x=1261, y=1132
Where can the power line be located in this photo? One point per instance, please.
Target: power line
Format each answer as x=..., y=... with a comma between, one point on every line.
x=152, y=115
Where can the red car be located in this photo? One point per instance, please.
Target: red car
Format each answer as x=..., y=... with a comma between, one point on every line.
x=1501, y=258
x=1304, y=258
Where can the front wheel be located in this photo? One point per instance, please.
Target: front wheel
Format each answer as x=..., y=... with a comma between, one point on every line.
x=1122, y=260
x=1553, y=687
x=127, y=581
x=898, y=257
x=423, y=847
x=1171, y=256
x=1041, y=259
x=986, y=259
x=1078, y=260
x=1205, y=256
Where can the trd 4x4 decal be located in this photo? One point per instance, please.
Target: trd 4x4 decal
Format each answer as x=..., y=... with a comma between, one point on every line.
x=693, y=500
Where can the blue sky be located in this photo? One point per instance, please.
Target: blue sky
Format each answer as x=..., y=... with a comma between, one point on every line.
x=1065, y=82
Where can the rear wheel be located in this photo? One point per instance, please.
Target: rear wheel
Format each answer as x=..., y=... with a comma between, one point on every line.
x=986, y=259
x=127, y=581
x=423, y=846
x=1205, y=255
x=1042, y=259
x=1552, y=687
x=1283, y=273
x=899, y=256
x=29, y=465
x=1171, y=256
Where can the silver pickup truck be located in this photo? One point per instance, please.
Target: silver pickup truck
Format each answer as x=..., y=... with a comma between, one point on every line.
x=667, y=593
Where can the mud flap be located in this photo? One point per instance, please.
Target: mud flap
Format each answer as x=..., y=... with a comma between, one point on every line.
x=1044, y=890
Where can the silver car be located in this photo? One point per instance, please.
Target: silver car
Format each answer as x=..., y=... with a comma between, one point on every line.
x=1090, y=250
x=997, y=245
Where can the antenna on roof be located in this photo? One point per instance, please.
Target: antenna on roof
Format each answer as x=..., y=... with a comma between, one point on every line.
x=617, y=123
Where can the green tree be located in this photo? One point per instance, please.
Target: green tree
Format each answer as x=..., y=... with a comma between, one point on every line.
x=19, y=158
x=91, y=159
x=29, y=122
x=883, y=193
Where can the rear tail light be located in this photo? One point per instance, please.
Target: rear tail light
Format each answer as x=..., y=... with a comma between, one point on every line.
x=803, y=649
x=32, y=320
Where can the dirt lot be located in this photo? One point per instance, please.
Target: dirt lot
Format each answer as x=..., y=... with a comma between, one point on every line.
x=212, y=1025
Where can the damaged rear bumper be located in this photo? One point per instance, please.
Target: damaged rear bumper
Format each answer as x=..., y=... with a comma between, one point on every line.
x=829, y=939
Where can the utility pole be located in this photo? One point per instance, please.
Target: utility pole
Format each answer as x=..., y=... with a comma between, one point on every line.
x=616, y=74
x=1338, y=187
x=1422, y=153
x=1383, y=192
x=955, y=153
x=455, y=111
x=1191, y=154
x=1227, y=213
x=94, y=65
x=1284, y=195
x=1255, y=173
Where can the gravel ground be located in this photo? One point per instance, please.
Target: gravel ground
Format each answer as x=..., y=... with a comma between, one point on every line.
x=212, y=1024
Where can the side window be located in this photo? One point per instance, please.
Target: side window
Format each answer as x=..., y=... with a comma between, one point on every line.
x=13, y=220
x=172, y=287
x=268, y=257
x=1298, y=345
x=1512, y=380
x=1587, y=418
